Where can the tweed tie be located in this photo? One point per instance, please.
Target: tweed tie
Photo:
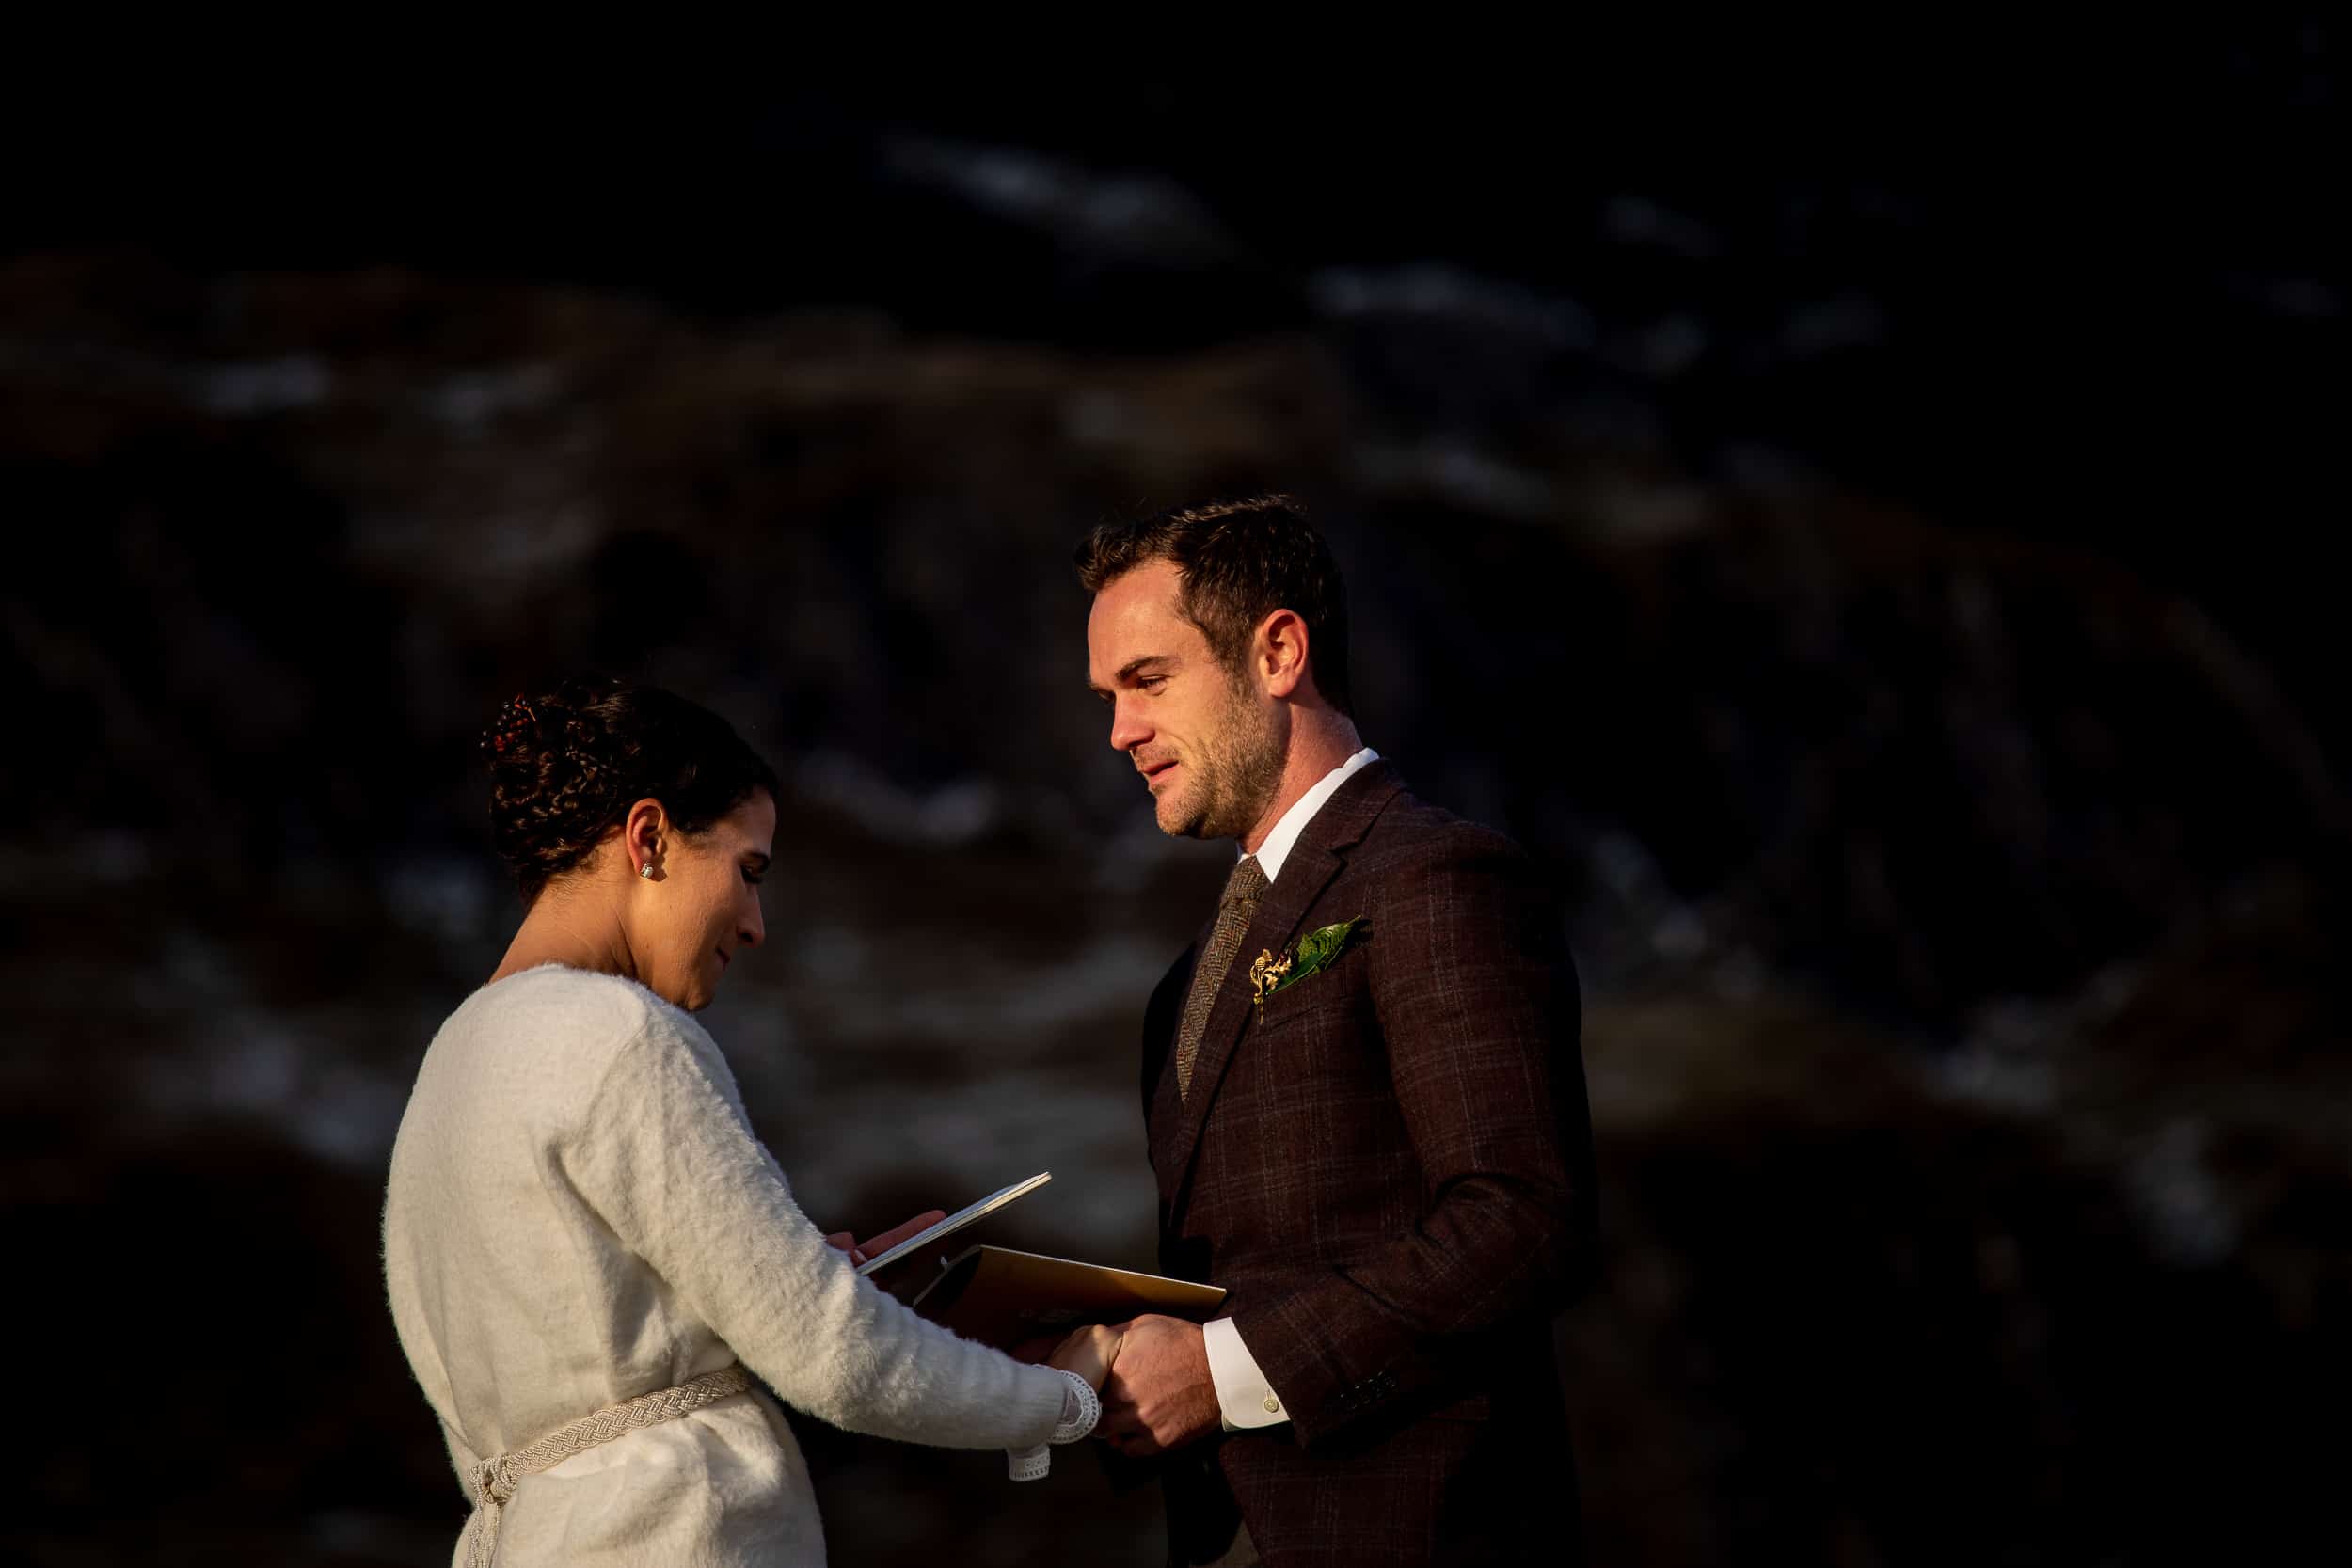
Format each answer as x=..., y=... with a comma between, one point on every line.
x=1234, y=911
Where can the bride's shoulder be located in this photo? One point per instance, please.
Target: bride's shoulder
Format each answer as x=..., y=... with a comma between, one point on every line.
x=578, y=1007
x=544, y=1048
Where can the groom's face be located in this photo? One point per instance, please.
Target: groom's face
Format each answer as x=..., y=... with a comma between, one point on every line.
x=1208, y=744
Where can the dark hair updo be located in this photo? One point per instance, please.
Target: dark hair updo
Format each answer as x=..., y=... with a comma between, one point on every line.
x=565, y=767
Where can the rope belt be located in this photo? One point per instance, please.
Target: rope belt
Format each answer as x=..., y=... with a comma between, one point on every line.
x=493, y=1481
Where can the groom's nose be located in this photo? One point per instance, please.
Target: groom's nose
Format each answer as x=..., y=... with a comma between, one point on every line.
x=1128, y=730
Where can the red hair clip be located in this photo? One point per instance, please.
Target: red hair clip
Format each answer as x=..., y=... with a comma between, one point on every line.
x=510, y=724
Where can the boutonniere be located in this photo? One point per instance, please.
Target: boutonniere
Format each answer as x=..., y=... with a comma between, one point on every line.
x=1315, y=950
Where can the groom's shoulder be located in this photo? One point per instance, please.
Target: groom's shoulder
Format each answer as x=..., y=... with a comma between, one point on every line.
x=1422, y=869
x=1413, y=835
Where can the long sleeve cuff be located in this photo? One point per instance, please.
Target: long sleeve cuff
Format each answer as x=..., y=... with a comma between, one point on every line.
x=1081, y=1412
x=1243, y=1394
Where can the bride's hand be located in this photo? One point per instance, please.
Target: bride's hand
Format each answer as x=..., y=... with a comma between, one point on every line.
x=1088, y=1353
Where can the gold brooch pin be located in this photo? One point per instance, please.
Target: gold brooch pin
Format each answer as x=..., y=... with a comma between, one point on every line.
x=1317, y=951
x=1267, y=973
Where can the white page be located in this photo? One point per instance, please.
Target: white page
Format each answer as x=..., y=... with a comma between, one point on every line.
x=958, y=1220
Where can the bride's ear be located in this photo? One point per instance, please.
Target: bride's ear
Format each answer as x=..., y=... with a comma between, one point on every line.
x=645, y=836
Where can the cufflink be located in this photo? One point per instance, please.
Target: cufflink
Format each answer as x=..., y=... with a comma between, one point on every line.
x=1273, y=1405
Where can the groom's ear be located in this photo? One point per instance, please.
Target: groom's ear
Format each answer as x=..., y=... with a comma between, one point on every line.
x=1279, y=652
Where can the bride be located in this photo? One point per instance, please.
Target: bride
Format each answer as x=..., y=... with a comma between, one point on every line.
x=593, y=1263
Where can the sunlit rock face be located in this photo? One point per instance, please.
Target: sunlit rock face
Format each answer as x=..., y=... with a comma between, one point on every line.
x=1959, y=911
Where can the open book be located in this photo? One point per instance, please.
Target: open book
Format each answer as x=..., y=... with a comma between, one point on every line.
x=1001, y=1297
x=954, y=1223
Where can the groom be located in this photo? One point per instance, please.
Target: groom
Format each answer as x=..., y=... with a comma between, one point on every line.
x=1381, y=1151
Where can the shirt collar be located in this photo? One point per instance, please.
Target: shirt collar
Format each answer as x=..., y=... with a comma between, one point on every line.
x=1277, y=847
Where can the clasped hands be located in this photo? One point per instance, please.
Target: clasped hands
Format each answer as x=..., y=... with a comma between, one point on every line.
x=1153, y=1371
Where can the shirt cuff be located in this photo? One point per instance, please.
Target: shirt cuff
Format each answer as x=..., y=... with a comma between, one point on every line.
x=1243, y=1393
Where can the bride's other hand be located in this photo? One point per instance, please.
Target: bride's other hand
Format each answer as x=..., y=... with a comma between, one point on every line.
x=1088, y=1353
x=874, y=1246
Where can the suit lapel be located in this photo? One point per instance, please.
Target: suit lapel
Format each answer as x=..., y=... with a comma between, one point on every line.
x=1314, y=860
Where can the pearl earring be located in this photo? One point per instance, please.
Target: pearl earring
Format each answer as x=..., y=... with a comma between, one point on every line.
x=646, y=871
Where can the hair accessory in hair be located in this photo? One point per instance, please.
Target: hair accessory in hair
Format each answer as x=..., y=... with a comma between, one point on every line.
x=514, y=717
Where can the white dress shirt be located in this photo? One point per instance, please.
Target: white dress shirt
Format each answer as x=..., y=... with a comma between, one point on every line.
x=1241, y=1390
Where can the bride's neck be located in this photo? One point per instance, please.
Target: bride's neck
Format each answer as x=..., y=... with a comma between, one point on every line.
x=558, y=931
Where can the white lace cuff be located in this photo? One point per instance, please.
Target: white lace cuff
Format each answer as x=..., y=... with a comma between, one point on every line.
x=1080, y=1410
x=1077, y=1420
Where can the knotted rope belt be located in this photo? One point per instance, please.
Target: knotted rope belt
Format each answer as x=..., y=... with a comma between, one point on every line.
x=493, y=1481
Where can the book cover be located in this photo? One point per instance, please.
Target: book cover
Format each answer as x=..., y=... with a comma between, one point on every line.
x=954, y=1223
x=1001, y=1297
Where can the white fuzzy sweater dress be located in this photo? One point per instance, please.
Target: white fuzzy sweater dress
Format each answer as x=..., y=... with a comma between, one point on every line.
x=578, y=1214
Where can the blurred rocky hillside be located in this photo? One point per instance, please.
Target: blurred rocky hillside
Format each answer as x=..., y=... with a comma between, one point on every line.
x=1952, y=850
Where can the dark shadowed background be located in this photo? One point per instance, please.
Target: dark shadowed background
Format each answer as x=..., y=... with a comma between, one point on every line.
x=1858, y=515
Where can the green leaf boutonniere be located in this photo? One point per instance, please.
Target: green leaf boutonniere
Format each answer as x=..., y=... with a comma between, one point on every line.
x=1316, y=950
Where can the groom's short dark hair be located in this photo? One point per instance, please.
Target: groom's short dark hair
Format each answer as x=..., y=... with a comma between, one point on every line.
x=1239, y=560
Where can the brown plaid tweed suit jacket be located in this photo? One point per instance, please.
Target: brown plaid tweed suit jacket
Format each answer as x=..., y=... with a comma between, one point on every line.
x=1388, y=1163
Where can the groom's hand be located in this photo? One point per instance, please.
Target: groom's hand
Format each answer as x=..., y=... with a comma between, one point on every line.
x=1159, y=1394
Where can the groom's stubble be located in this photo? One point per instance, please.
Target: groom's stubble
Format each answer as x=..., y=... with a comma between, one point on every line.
x=1238, y=768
